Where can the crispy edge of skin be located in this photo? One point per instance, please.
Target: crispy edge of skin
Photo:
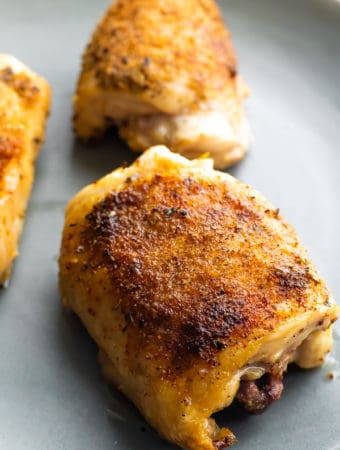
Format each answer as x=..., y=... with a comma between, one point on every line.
x=23, y=111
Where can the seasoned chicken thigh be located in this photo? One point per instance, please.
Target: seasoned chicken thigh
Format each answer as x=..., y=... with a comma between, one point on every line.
x=195, y=290
x=165, y=73
x=24, y=106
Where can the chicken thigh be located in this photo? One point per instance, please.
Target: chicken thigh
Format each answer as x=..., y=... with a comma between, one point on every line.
x=24, y=106
x=195, y=290
x=165, y=73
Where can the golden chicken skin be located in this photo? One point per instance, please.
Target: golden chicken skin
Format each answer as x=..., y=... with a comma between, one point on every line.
x=164, y=72
x=196, y=291
x=24, y=106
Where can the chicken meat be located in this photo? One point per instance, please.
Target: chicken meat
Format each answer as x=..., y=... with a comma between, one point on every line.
x=196, y=291
x=24, y=106
x=164, y=72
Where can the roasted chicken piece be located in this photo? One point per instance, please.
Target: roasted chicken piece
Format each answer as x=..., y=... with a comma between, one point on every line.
x=24, y=106
x=195, y=290
x=165, y=73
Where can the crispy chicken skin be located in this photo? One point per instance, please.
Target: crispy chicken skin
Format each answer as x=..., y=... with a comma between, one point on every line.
x=24, y=106
x=165, y=73
x=195, y=290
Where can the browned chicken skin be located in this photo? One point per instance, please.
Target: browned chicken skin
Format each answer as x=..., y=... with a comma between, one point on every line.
x=196, y=291
x=165, y=72
x=24, y=105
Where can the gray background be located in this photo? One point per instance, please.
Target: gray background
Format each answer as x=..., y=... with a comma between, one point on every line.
x=52, y=395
